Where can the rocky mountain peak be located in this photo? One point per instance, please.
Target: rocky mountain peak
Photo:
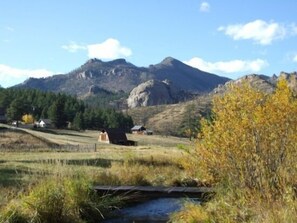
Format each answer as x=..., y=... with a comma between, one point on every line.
x=288, y=76
x=118, y=62
x=93, y=60
x=170, y=61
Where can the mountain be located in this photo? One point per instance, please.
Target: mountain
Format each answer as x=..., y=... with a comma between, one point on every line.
x=186, y=77
x=120, y=75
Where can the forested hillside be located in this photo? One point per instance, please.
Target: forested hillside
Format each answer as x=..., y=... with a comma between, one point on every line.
x=62, y=109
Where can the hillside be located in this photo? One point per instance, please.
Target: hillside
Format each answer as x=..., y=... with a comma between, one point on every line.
x=169, y=119
x=120, y=75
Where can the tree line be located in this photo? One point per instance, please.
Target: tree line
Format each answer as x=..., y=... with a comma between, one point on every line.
x=63, y=110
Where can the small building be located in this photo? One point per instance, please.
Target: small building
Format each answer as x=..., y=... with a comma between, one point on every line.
x=113, y=136
x=45, y=123
x=3, y=118
x=138, y=129
x=141, y=130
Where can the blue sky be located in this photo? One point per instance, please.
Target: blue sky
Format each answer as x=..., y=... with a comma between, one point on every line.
x=226, y=37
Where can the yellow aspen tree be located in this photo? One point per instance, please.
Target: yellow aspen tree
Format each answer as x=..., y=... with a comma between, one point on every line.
x=252, y=139
x=28, y=119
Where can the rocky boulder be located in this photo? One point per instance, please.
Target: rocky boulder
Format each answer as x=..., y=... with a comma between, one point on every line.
x=155, y=92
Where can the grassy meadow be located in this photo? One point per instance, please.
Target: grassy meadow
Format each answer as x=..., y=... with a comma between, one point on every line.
x=29, y=158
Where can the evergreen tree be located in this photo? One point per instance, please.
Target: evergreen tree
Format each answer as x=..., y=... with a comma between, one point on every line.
x=56, y=113
x=78, y=121
x=16, y=110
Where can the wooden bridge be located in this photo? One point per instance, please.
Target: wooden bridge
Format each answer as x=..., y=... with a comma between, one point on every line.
x=156, y=192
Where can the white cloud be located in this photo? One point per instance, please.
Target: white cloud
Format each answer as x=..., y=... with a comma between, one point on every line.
x=295, y=58
x=109, y=49
x=231, y=66
x=260, y=31
x=10, y=76
x=23, y=73
x=73, y=47
x=204, y=7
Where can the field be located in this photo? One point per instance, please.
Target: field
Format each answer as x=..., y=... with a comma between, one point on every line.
x=28, y=157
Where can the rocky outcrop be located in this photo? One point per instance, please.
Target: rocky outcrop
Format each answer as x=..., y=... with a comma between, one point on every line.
x=261, y=82
x=291, y=79
x=155, y=92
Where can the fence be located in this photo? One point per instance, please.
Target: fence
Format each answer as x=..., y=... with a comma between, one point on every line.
x=53, y=148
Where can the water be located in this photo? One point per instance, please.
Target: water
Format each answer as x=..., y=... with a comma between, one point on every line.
x=155, y=211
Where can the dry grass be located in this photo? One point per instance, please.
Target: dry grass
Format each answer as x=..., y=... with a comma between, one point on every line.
x=12, y=138
x=154, y=161
x=88, y=137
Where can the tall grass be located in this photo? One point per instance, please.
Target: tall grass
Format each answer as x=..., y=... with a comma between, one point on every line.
x=142, y=171
x=56, y=187
x=61, y=200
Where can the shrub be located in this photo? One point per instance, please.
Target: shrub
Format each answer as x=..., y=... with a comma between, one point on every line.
x=249, y=151
x=252, y=140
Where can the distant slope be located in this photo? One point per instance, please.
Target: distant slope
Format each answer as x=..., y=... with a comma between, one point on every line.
x=119, y=75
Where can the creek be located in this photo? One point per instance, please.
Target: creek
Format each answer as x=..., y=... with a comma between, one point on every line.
x=151, y=211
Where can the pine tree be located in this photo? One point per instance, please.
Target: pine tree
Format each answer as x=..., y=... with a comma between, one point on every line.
x=16, y=110
x=56, y=113
x=78, y=121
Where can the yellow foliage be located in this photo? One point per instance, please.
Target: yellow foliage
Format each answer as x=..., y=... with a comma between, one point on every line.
x=192, y=213
x=252, y=141
x=28, y=119
x=250, y=151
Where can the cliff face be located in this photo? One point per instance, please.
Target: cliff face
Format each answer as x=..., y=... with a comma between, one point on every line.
x=155, y=92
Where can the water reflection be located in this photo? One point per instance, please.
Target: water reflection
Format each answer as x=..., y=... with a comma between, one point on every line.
x=155, y=211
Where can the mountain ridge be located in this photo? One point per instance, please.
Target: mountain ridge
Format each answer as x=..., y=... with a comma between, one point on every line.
x=120, y=75
x=262, y=82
